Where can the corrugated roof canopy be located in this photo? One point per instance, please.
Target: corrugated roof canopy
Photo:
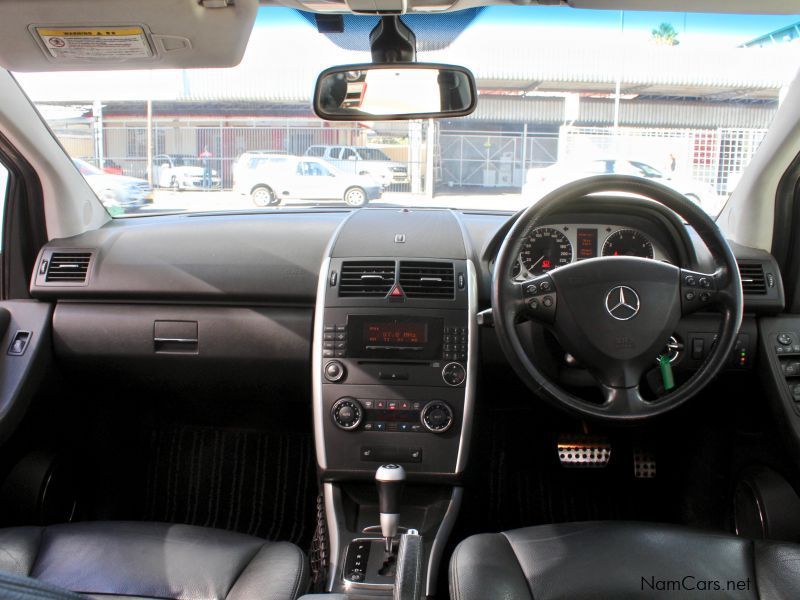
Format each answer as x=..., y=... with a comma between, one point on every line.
x=281, y=66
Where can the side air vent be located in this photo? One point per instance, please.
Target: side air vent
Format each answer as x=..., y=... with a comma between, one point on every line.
x=68, y=267
x=753, y=280
x=367, y=279
x=431, y=280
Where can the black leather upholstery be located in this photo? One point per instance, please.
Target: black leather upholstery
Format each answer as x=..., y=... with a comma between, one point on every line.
x=16, y=587
x=620, y=560
x=155, y=560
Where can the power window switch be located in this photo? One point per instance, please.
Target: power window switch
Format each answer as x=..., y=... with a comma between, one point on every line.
x=19, y=343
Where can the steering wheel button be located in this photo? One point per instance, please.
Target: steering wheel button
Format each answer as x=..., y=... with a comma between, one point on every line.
x=547, y=302
x=705, y=297
x=690, y=281
x=704, y=282
x=534, y=304
x=545, y=286
x=785, y=339
x=689, y=296
x=531, y=289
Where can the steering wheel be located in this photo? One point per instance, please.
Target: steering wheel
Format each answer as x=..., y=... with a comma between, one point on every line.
x=615, y=314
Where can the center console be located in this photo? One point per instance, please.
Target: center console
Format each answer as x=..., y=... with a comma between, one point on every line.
x=394, y=357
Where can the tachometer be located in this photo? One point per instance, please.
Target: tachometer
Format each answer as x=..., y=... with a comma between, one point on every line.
x=628, y=242
x=545, y=249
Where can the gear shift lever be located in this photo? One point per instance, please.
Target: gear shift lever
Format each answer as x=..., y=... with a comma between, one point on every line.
x=390, y=480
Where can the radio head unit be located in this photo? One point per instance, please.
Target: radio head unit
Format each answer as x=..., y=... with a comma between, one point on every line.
x=387, y=337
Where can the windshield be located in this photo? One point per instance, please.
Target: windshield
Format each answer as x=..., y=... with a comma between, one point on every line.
x=683, y=98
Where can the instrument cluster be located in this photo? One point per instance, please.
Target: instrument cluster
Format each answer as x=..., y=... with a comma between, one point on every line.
x=551, y=246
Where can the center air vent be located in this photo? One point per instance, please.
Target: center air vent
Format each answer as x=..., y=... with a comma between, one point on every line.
x=753, y=281
x=434, y=280
x=68, y=267
x=367, y=279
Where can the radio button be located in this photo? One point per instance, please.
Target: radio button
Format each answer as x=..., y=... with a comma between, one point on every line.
x=347, y=413
x=454, y=374
x=334, y=371
x=436, y=417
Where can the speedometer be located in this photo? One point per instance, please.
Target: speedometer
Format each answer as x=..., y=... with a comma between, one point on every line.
x=628, y=242
x=545, y=249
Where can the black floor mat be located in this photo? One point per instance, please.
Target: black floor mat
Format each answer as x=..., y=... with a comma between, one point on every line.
x=253, y=482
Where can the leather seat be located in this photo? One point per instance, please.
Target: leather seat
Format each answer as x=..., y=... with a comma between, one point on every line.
x=621, y=560
x=155, y=560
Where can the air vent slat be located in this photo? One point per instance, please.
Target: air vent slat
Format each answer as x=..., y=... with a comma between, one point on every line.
x=68, y=267
x=753, y=280
x=428, y=280
x=366, y=279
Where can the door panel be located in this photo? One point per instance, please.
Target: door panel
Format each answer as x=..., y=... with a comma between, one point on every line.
x=22, y=365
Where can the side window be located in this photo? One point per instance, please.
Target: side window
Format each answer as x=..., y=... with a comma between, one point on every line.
x=311, y=169
x=349, y=154
x=317, y=151
x=335, y=152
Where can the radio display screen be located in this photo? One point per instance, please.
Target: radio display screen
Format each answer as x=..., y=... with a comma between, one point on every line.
x=370, y=336
x=380, y=334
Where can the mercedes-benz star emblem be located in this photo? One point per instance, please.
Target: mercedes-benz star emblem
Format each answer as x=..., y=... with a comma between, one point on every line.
x=622, y=303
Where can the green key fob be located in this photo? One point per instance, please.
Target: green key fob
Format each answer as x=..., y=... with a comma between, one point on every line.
x=666, y=372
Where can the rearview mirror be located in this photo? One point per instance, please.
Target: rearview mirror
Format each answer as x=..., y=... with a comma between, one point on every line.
x=394, y=91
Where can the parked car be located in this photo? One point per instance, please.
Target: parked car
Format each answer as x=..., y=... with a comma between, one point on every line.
x=253, y=159
x=541, y=181
x=363, y=160
x=182, y=172
x=305, y=178
x=118, y=193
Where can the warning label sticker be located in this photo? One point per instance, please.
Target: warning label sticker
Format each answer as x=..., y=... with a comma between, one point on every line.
x=95, y=42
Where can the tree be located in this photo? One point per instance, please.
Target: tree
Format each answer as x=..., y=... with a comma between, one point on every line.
x=665, y=34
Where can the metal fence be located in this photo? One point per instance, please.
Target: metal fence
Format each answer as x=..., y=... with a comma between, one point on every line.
x=493, y=159
x=715, y=157
x=124, y=148
x=469, y=160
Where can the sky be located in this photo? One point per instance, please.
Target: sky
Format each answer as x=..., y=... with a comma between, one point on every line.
x=557, y=22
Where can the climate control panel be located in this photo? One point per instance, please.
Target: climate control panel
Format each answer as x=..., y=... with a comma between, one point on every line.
x=367, y=414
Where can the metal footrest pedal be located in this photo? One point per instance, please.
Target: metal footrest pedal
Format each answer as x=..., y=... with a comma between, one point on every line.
x=583, y=451
x=644, y=463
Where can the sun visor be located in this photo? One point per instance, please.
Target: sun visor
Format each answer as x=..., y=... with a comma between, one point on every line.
x=85, y=35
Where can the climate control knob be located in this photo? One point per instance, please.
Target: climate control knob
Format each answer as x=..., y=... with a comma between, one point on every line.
x=334, y=371
x=347, y=413
x=454, y=374
x=436, y=416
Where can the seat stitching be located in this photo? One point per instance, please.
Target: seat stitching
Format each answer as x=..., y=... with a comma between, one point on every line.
x=35, y=560
x=247, y=564
x=755, y=569
x=299, y=576
x=519, y=564
x=454, y=573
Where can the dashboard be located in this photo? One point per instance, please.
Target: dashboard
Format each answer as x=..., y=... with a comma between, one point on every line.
x=551, y=246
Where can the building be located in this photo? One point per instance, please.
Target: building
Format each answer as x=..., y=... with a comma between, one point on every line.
x=548, y=103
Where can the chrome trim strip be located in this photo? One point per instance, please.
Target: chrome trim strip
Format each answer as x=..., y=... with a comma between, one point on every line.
x=440, y=541
x=333, y=506
x=316, y=363
x=316, y=347
x=472, y=368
